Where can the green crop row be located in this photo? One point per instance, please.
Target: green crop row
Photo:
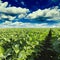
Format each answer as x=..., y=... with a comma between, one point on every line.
x=56, y=41
x=30, y=44
x=18, y=44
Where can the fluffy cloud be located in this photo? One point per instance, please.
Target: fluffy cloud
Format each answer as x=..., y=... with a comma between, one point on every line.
x=50, y=14
x=9, y=24
x=3, y=4
x=14, y=10
x=10, y=13
x=22, y=25
x=6, y=17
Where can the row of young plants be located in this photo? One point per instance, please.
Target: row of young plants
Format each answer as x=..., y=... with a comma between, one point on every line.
x=21, y=44
x=50, y=47
x=56, y=41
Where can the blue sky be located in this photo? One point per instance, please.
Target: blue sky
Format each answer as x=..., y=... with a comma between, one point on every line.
x=29, y=13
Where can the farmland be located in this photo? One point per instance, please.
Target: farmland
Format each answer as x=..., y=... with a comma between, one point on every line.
x=30, y=44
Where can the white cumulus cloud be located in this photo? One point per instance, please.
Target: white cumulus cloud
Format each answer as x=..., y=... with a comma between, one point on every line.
x=10, y=13
x=50, y=14
x=9, y=24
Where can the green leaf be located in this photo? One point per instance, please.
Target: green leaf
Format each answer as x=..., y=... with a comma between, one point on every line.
x=16, y=48
x=2, y=51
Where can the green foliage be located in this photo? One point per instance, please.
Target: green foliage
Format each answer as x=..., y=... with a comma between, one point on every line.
x=56, y=41
x=26, y=44
x=18, y=44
